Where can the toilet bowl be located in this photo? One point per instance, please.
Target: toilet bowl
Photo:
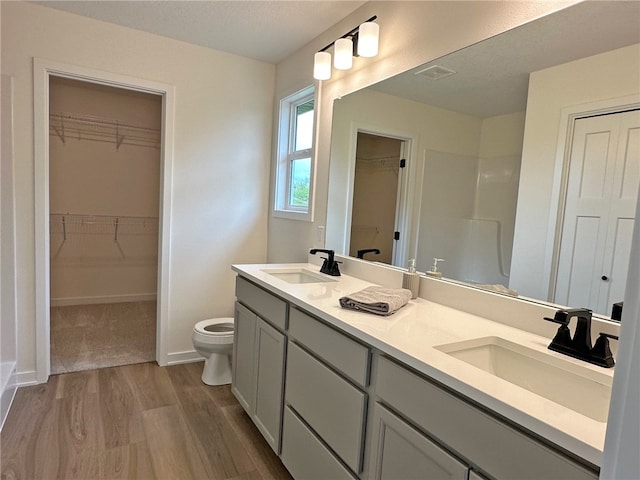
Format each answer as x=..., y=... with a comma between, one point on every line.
x=213, y=339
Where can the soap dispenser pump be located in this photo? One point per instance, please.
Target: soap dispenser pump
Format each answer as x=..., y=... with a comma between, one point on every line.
x=411, y=279
x=433, y=270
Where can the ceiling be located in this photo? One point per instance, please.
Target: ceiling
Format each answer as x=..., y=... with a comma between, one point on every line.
x=263, y=30
x=493, y=76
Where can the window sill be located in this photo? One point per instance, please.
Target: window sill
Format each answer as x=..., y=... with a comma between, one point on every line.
x=293, y=215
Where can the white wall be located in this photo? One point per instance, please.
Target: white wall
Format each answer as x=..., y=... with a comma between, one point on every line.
x=600, y=77
x=8, y=318
x=222, y=145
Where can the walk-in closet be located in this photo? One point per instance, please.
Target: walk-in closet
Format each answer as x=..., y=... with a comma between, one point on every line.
x=104, y=171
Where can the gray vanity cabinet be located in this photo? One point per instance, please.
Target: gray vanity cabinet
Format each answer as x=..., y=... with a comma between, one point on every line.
x=487, y=442
x=325, y=397
x=269, y=371
x=258, y=358
x=243, y=381
x=400, y=452
x=344, y=410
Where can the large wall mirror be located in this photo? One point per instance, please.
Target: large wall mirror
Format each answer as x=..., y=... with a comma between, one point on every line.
x=516, y=160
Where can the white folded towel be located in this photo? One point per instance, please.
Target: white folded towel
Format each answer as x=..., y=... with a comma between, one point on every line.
x=377, y=300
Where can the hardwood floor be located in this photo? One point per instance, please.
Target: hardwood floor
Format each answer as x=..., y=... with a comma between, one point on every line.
x=136, y=422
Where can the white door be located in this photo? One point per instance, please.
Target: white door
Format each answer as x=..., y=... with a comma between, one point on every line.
x=602, y=189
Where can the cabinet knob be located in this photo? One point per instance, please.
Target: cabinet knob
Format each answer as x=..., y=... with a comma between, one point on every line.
x=604, y=277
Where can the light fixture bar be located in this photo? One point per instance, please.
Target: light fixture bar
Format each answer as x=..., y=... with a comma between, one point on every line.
x=360, y=41
x=350, y=33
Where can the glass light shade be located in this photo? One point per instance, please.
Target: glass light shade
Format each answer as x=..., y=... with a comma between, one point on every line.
x=368, y=34
x=343, y=54
x=322, y=66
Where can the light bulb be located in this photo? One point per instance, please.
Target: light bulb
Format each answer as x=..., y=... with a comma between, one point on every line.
x=343, y=54
x=368, y=34
x=322, y=66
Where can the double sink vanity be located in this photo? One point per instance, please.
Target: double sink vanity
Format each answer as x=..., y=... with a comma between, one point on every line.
x=459, y=383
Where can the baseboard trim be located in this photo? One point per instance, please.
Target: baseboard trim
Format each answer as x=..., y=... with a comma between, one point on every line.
x=9, y=389
x=68, y=301
x=189, y=356
x=25, y=379
x=5, y=403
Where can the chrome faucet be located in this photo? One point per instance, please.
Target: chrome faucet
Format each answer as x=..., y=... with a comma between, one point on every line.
x=580, y=345
x=329, y=266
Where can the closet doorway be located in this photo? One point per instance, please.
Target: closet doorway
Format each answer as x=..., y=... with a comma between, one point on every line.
x=376, y=188
x=104, y=194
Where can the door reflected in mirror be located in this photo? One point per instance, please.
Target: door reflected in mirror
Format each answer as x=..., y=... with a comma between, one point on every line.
x=375, y=191
x=490, y=184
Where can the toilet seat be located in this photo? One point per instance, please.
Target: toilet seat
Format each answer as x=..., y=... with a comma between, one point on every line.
x=215, y=330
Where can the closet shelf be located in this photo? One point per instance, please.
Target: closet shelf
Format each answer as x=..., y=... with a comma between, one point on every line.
x=87, y=127
x=66, y=224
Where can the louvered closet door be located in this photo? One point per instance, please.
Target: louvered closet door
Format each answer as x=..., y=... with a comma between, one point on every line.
x=602, y=188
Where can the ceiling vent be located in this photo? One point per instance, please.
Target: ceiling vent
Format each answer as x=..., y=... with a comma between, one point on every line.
x=436, y=72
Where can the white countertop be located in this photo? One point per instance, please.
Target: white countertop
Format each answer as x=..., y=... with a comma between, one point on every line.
x=410, y=336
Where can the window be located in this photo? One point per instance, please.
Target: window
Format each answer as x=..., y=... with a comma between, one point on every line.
x=294, y=176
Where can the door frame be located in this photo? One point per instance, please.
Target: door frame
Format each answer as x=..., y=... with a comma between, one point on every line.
x=568, y=117
x=42, y=71
x=405, y=217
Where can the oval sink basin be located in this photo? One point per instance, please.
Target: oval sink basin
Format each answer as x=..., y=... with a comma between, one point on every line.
x=298, y=275
x=583, y=390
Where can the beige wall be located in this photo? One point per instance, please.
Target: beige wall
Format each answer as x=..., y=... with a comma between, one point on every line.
x=88, y=177
x=411, y=33
x=600, y=77
x=222, y=145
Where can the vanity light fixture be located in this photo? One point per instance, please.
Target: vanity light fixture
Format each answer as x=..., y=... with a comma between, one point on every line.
x=362, y=41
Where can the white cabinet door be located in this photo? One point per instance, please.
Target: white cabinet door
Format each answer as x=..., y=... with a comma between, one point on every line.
x=399, y=452
x=602, y=188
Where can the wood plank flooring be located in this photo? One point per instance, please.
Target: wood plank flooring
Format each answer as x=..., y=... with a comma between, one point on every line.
x=135, y=422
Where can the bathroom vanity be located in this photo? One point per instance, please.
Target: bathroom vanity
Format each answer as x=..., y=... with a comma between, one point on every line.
x=429, y=392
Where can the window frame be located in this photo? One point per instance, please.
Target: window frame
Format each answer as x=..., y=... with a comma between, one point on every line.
x=286, y=156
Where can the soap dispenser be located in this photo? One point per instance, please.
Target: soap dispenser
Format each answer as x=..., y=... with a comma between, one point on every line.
x=411, y=279
x=433, y=270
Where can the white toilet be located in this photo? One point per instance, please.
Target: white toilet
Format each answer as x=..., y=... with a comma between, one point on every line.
x=213, y=339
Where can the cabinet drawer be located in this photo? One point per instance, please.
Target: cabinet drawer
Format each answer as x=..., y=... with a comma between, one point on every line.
x=304, y=455
x=495, y=447
x=329, y=404
x=347, y=355
x=266, y=305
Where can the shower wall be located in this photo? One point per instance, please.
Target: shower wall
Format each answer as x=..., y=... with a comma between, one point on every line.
x=104, y=193
x=468, y=204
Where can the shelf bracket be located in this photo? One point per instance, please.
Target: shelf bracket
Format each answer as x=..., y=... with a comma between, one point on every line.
x=119, y=138
x=60, y=131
